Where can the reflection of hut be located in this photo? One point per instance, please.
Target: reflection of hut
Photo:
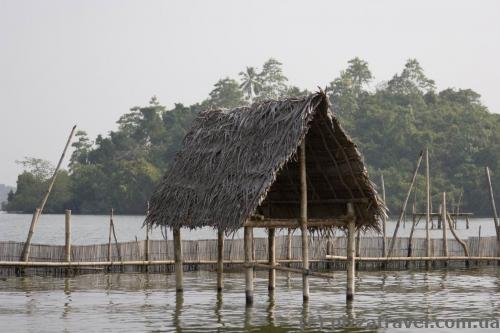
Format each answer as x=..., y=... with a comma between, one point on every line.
x=275, y=164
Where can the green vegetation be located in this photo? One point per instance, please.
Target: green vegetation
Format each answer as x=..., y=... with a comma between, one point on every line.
x=390, y=124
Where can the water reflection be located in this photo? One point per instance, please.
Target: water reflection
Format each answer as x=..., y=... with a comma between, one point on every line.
x=148, y=302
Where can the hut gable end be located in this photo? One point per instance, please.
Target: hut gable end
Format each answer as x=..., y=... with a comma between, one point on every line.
x=239, y=162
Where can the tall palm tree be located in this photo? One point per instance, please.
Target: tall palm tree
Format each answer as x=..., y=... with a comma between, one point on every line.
x=250, y=83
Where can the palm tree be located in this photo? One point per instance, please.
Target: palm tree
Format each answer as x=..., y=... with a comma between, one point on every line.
x=250, y=82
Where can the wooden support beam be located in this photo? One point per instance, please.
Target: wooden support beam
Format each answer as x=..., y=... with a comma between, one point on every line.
x=439, y=214
x=179, y=283
x=351, y=230
x=303, y=219
x=89, y=264
x=67, y=238
x=220, y=260
x=272, y=258
x=340, y=221
x=249, y=268
x=323, y=201
x=393, y=259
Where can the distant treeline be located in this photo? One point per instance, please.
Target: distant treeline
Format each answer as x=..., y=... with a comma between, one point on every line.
x=391, y=122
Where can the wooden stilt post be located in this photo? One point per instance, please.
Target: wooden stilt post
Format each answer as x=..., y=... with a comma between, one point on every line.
x=427, y=208
x=289, y=251
x=329, y=250
x=351, y=230
x=220, y=260
x=494, y=210
x=303, y=220
x=109, y=235
x=443, y=224
x=403, y=208
x=67, y=243
x=38, y=211
x=384, y=219
x=272, y=258
x=247, y=240
x=289, y=244
x=179, y=284
x=146, y=247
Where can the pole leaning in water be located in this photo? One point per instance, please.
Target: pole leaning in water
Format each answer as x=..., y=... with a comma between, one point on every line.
x=38, y=211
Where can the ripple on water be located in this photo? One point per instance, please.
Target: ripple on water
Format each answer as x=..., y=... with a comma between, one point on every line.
x=147, y=302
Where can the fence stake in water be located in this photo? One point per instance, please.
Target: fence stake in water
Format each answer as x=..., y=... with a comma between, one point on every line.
x=494, y=209
x=67, y=243
x=427, y=207
x=443, y=223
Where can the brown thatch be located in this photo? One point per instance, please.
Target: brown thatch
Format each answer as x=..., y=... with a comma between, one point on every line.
x=235, y=163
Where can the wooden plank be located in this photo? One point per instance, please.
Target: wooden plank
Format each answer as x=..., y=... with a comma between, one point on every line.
x=340, y=221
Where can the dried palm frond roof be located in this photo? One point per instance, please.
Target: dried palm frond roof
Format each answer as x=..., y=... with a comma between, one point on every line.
x=240, y=162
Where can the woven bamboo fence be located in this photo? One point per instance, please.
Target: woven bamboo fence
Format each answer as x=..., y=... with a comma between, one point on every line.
x=206, y=250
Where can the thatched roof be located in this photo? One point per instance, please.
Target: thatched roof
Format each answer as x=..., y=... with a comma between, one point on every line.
x=235, y=163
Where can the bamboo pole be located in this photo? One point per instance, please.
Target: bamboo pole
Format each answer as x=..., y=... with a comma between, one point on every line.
x=272, y=258
x=146, y=245
x=178, y=260
x=479, y=242
x=38, y=211
x=494, y=210
x=405, y=202
x=27, y=245
x=220, y=260
x=413, y=223
x=351, y=229
x=384, y=219
x=427, y=208
x=112, y=230
x=289, y=244
x=67, y=242
x=443, y=224
x=303, y=219
x=247, y=240
x=109, y=234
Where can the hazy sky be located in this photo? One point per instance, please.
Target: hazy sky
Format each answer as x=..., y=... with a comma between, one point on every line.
x=88, y=62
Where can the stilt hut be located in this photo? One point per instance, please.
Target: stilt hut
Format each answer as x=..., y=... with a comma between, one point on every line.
x=274, y=164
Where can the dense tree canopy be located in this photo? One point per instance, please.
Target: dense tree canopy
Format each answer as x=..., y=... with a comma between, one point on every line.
x=390, y=124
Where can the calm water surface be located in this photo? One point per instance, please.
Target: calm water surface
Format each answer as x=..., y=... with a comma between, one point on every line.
x=93, y=229
x=148, y=302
